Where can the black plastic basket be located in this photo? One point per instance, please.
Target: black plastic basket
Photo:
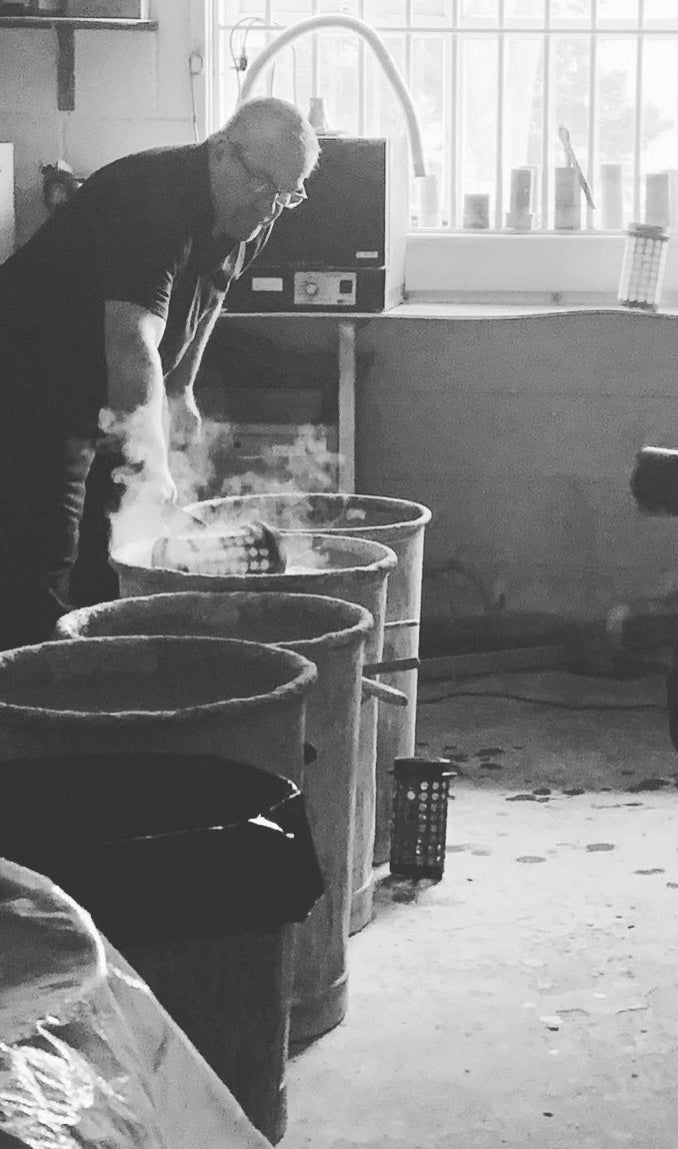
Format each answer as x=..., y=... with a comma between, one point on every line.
x=419, y=816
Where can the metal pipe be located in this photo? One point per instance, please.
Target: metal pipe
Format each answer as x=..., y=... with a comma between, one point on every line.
x=383, y=692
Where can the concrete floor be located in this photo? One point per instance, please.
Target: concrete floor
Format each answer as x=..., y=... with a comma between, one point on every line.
x=530, y=998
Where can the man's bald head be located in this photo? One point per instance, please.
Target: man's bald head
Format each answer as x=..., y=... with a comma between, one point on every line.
x=269, y=127
x=258, y=161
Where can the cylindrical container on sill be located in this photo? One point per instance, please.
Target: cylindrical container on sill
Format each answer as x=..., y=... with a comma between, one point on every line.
x=567, y=216
x=332, y=634
x=476, y=211
x=400, y=525
x=612, y=197
x=657, y=199
x=534, y=198
x=419, y=817
x=520, y=216
x=355, y=569
x=642, y=273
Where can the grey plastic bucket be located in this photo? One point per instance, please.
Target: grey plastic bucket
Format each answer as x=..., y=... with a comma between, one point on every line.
x=353, y=569
x=400, y=525
x=332, y=634
x=239, y=700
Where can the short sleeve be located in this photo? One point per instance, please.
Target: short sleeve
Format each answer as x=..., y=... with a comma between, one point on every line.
x=139, y=252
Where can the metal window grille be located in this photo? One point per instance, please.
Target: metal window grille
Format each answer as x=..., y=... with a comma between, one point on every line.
x=492, y=80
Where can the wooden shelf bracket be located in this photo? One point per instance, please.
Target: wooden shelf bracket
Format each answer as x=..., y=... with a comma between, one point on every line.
x=65, y=29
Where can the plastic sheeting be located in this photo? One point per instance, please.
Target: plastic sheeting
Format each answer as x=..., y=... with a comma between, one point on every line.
x=88, y=1057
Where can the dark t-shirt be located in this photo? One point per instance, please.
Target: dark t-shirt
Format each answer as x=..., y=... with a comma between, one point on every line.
x=139, y=230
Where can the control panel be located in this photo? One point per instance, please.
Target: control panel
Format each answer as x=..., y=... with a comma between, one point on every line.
x=325, y=288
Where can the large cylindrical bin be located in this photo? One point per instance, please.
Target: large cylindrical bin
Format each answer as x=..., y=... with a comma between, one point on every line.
x=161, y=695
x=194, y=867
x=399, y=524
x=331, y=633
x=353, y=569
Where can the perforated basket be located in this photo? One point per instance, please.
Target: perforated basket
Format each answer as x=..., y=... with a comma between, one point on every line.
x=419, y=816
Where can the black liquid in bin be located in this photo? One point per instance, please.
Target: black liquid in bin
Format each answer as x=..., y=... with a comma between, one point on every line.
x=159, y=846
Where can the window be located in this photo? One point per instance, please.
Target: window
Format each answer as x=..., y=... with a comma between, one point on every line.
x=492, y=81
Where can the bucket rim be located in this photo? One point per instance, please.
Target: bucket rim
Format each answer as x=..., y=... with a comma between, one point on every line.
x=298, y=686
x=389, y=502
x=384, y=561
x=360, y=620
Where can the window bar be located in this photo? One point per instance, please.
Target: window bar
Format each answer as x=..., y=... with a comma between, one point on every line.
x=314, y=52
x=462, y=60
x=501, y=77
x=638, y=118
x=217, y=99
x=452, y=162
x=362, y=74
x=546, y=122
x=408, y=81
x=268, y=36
x=593, y=88
x=408, y=44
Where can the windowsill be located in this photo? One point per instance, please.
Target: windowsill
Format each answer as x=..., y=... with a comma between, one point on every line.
x=420, y=307
x=571, y=268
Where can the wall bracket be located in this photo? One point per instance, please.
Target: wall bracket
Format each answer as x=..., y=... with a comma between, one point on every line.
x=66, y=28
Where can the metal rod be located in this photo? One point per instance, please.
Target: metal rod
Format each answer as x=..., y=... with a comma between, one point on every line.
x=346, y=400
x=384, y=693
x=392, y=665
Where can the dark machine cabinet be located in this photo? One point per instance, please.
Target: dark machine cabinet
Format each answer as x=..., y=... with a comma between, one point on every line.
x=343, y=249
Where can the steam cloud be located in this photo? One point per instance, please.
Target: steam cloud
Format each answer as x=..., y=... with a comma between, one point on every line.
x=198, y=471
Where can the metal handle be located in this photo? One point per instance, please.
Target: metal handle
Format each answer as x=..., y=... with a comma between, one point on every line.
x=401, y=623
x=389, y=694
x=392, y=664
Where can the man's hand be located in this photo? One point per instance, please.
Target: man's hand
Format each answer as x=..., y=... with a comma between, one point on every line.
x=159, y=485
x=185, y=421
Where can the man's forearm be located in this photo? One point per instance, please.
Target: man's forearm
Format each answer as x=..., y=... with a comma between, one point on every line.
x=136, y=400
x=181, y=379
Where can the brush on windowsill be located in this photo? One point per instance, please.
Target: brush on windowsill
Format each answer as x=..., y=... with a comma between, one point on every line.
x=573, y=162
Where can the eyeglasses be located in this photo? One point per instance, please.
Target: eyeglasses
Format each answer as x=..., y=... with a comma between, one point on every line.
x=262, y=186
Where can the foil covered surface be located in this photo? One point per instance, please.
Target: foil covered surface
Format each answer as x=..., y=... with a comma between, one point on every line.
x=88, y=1057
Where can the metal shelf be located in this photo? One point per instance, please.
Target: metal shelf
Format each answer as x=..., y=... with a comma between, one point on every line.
x=66, y=27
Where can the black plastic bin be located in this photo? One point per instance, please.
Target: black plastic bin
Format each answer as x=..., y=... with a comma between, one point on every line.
x=419, y=816
x=194, y=868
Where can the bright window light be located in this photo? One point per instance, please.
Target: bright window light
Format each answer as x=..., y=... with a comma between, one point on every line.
x=492, y=82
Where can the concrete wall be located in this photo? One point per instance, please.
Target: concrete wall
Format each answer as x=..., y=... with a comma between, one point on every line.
x=520, y=434
x=132, y=91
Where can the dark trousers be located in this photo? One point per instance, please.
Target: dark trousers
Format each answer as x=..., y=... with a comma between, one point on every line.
x=46, y=456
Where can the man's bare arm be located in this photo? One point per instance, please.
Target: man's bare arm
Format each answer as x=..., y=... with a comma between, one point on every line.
x=136, y=393
x=184, y=415
x=182, y=378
